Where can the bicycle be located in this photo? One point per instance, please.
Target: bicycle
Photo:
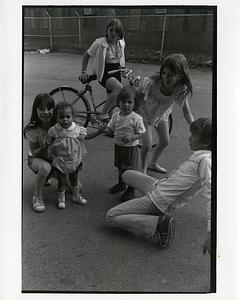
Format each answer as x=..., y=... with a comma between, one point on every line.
x=83, y=113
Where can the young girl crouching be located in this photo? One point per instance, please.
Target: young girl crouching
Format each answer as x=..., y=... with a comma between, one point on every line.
x=35, y=133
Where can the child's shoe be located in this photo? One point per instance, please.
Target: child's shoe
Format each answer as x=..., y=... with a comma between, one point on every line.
x=61, y=200
x=165, y=230
x=79, y=199
x=127, y=195
x=118, y=188
x=38, y=204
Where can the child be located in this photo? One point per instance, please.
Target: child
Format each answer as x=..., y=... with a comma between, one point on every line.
x=108, y=54
x=160, y=92
x=67, y=150
x=127, y=127
x=148, y=216
x=36, y=134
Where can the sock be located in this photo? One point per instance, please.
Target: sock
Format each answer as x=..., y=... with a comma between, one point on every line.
x=61, y=194
x=75, y=191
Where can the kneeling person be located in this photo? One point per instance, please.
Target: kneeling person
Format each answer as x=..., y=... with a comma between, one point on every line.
x=149, y=216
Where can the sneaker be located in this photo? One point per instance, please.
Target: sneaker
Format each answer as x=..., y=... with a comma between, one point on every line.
x=165, y=231
x=38, y=204
x=127, y=195
x=79, y=200
x=118, y=188
x=61, y=200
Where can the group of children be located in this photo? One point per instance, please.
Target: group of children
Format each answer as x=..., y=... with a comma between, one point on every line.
x=57, y=146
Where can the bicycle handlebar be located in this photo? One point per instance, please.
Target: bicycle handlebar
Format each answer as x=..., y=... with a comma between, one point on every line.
x=94, y=77
x=120, y=70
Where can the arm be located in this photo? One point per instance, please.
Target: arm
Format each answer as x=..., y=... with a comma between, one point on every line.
x=140, y=131
x=92, y=135
x=187, y=112
x=132, y=138
x=37, y=146
x=109, y=132
x=84, y=74
x=37, y=149
x=205, y=176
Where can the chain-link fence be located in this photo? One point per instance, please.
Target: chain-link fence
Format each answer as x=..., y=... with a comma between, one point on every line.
x=149, y=37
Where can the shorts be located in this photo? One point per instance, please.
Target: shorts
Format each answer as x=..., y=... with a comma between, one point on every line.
x=126, y=157
x=106, y=76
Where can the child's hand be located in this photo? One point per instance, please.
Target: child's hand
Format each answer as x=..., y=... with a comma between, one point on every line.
x=127, y=139
x=45, y=142
x=207, y=244
x=102, y=129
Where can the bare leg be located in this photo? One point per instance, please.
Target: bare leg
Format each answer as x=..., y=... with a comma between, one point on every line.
x=163, y=136
x=43, y=168
x=146, y=147
x=113, y=85
x=138, y=180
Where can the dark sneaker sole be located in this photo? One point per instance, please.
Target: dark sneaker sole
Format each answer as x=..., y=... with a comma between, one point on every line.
x=117, y=190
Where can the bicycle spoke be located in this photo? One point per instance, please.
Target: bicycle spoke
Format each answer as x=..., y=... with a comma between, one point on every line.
x=79, y=103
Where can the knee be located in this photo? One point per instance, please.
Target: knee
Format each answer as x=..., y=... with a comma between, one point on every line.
x=110, y=217
x=44, y=169
x=126, y=175
x=146, y=148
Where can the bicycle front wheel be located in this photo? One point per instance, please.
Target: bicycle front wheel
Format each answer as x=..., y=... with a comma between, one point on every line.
x=80, y=104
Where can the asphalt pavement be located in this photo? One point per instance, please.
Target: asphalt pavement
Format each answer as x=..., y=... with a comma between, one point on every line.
x=74, y=250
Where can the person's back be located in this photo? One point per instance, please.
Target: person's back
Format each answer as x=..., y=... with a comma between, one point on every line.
x=192, y=176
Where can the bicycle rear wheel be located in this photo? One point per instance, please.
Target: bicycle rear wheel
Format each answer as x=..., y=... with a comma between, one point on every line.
x=80, y=104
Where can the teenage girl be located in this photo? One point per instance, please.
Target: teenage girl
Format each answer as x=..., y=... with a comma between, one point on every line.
x=108, y=54
x=36, y=134
x=160, y=93
x=67, y=150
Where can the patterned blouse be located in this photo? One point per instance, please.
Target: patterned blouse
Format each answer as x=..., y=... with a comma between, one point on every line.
x=155, y=107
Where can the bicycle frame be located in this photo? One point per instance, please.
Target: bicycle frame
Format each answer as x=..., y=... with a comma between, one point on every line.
x=88, y=88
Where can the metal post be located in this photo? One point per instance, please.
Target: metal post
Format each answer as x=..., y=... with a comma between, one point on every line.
x=79, y=32
x=50, y=30
x=163, y=33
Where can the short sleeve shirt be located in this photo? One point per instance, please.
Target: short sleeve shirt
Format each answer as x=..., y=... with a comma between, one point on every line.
x=126, y=125
x=36, y=136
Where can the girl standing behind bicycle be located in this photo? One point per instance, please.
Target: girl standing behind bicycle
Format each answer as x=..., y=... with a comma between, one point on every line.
x=67, y=150
x=108, y=53
x=160, y=92
x=36, y=134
